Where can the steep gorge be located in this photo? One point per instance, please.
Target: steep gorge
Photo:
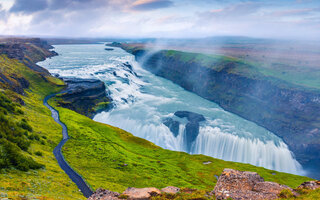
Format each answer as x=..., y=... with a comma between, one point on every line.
x=289, y=111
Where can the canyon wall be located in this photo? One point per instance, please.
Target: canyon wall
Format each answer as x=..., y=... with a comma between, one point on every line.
x=289, y=111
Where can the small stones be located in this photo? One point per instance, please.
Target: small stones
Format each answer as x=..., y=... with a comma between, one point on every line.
x=102, y=194
x=310, y=185
x=141, y=193
x=170, y=189
x=3, y=194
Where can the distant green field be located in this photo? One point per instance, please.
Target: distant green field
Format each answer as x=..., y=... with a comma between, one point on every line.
x=205, y=59
x=299, y=76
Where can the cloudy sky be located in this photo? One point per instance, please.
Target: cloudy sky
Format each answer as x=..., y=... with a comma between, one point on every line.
x=161, y=18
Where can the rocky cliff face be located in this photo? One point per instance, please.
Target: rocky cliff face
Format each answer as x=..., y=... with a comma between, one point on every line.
x=14, y=82
x=289, y=111
x=85, y=96
x=27, y=50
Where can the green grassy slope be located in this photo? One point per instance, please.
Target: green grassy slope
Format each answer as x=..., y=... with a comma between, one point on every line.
x=299, y=76
x=50, y=182
x=302, y=77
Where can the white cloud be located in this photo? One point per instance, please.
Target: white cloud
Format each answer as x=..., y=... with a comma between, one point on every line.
x=117, y=18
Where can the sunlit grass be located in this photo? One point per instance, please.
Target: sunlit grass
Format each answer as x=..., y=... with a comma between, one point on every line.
x=111, y=158
x=50, y=182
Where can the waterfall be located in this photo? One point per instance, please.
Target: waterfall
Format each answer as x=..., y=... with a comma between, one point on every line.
x=213, y=142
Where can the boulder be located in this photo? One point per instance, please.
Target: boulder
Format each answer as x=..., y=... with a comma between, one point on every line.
x=141, y=193
x=126, y=66
x=192, y=127
x=191, y=116
x=170, y=189
x=310, y=185
x=192, y=132
x=172, y=125
x=102, y=194
x=246, y=185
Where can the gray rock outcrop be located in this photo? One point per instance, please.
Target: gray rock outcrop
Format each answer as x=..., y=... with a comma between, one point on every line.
x=84, y=96
x=241, y=185
x=310, y=185
x=141, y=193
x=170, y=190
x=102, y=194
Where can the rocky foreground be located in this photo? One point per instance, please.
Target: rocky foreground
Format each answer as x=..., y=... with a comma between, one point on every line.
x=232, y=184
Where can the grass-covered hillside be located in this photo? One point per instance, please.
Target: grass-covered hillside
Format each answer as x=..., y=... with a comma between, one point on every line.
x=28, y=169
x=288, y=74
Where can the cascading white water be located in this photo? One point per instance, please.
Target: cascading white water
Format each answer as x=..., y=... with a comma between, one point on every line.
x=142, y=101
x=213, y=142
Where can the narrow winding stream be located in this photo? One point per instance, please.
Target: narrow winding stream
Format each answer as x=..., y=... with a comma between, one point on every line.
x=74, y=176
